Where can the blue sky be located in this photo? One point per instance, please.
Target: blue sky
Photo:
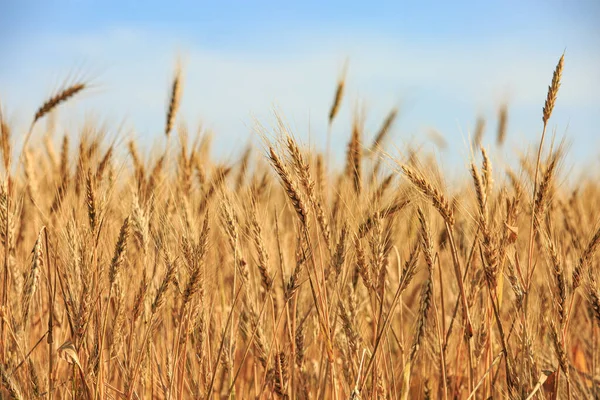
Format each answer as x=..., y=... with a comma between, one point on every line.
x=442, y=62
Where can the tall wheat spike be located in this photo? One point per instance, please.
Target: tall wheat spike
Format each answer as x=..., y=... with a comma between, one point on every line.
x=174, y=99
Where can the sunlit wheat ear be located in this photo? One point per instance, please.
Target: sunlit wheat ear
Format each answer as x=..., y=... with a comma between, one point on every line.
x=426, y=290
x=293, y=281
x=302, y=169
x=281, y=375
x=33, y=278
x=119, y=253
x=229, y=221
x=560, y=291
x=543, y=195
x=585, y=259
x=261, y=250
x=479, y=190
x=195, y=282
x=426, y=241
x=91, y=200
x=384, y=130
x=64, y=159
x=300, y=348
x=175, y=99
x=354, y=153
x=382, y=188
x=438, y=199
x=594, y=297
x=479, y=131
x=361, y=265
x=563, y=361
x=243, y=168
x=140, y=297
x=502, y=124
x=320, y=172
x=62, y=96
x=159, y=298
x=10, y=383
x=34, y=378
x=340, y=251
x=553, y=90
x=339, y=94
x=488, y=179
x=4, y=139
x=365, y=227
x=30, y=175
x=104, y=163
x=289, y=186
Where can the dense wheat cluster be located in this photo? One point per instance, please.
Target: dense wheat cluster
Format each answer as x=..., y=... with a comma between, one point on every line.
x=170, y=275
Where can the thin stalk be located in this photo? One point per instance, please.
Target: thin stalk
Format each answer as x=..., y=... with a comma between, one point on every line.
x=216, y=363
x=50, y=338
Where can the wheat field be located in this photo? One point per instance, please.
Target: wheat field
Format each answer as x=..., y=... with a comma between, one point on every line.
x=171, y=275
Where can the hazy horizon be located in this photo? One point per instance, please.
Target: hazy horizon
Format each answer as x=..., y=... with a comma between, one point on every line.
x=442, y=65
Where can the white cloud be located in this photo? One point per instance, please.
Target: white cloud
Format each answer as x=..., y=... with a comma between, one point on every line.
x=226, y=88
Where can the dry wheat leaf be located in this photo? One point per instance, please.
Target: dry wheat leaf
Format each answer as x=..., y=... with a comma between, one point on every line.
x=68, y=352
